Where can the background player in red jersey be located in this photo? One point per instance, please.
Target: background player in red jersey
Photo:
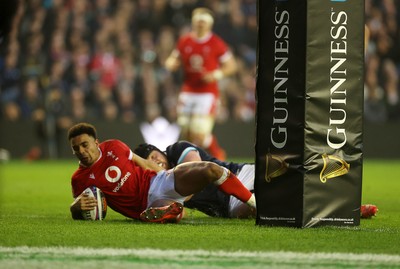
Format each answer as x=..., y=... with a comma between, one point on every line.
x=205, y=59
x=132, y=190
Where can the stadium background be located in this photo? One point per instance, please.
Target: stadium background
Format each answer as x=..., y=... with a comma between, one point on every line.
x=67, y=61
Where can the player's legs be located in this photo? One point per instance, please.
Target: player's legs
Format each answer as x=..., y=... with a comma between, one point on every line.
x=162, y=190
x=237, y=209
x=196, y=117
x=164, y=204
x=199, y=130
x=192, y=177
x=171, y=188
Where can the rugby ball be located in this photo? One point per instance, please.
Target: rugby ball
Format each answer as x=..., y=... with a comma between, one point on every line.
x=100, y=211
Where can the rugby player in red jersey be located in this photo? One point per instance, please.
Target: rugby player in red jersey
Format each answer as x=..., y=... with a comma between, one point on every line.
x=151, y=195
x=205, y=59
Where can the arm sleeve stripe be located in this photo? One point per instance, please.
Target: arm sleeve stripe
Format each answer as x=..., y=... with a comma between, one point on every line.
x=184, y=153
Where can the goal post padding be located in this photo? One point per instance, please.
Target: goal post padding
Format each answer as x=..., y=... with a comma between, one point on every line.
x=309, y=112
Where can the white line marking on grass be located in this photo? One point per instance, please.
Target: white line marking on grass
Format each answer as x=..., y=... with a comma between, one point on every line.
x=79, y=257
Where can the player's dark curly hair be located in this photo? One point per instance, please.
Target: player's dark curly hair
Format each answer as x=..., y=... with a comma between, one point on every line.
x=144, y=150
x=82, y=128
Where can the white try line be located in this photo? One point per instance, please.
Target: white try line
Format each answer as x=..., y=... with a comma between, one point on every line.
x=79, y=257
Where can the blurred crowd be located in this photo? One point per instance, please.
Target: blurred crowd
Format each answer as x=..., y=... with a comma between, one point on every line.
x=72, y=60
x=382, y=61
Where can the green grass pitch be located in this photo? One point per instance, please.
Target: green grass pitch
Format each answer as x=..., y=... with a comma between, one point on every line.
x=36, y=230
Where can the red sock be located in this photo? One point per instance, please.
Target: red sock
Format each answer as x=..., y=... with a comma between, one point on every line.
x=232, y=186
x=215, y=150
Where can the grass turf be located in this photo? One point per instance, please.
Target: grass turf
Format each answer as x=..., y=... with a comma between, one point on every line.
x=34, y=211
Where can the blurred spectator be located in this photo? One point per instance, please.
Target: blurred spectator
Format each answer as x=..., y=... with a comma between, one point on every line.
x=32, y=107
x=10, y=78
x=148, y=75
x=11, y=111
x=105, y=66
x=56, y=76
x=33, y=62
x=79, y=107
x=126, y=92
x=32, y=101
x=382, y=61
x=110, y=111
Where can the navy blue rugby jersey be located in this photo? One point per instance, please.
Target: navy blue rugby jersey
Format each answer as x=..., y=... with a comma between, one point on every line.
x=177, y=152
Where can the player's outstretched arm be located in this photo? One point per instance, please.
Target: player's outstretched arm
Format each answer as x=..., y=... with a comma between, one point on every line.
x=146, y=164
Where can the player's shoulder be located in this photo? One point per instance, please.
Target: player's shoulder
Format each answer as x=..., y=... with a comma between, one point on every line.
x=111, y=141
x=175, y=151
x=116, y=143
x=179, y=146
x=184, y=143
x=216, y=38
x=115, y=147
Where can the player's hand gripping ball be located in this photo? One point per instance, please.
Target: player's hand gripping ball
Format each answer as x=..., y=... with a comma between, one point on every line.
x=100, y=211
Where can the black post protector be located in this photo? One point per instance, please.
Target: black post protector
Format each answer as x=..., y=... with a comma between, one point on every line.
x=309, y=112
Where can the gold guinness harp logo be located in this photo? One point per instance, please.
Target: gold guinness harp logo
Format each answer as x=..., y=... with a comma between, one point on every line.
x=275, y=166
x=333, y=167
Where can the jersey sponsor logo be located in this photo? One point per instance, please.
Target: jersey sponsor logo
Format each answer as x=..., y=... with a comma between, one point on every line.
x=113, y=174
x=124, y=179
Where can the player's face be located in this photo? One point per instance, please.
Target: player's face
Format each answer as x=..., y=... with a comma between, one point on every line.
x=158, y=158
x=85, y=148
x=201, y=27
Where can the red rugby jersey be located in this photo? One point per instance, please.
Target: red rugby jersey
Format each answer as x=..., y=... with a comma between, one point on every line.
x=199, y=56
x=124, y=184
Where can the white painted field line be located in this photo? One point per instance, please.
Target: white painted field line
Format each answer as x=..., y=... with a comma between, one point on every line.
x=216, y=258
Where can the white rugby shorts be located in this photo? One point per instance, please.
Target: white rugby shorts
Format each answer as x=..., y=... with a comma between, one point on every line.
x=196, y=112
x=162, y=187
x=246, y=176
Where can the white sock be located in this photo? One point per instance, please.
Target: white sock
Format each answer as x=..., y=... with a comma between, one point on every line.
x=223, y=178
x=252, y=201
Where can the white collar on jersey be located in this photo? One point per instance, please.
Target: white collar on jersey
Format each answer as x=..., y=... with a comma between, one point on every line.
x=203, y=39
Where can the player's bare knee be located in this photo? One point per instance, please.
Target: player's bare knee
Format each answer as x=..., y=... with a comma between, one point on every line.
x=208, y=170
x=215, y=171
